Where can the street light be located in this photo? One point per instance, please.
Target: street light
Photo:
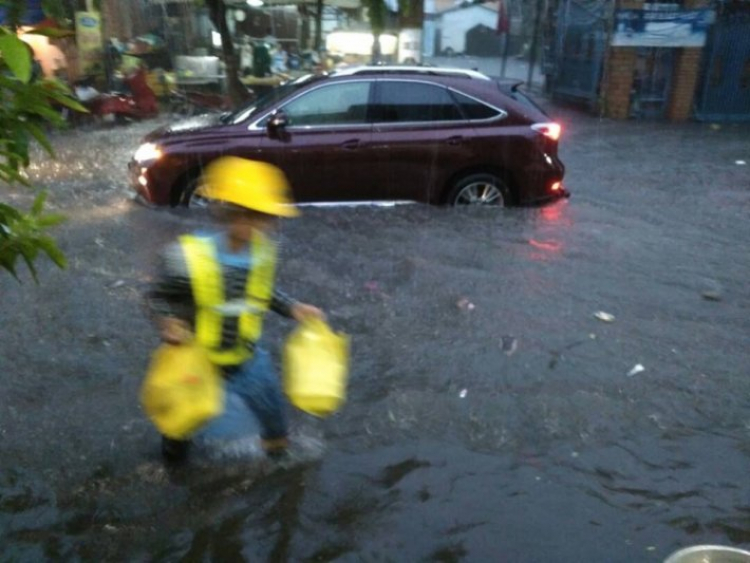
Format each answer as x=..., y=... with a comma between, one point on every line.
x=255, y=3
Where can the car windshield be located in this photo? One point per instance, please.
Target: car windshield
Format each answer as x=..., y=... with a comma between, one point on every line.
x=264, y=102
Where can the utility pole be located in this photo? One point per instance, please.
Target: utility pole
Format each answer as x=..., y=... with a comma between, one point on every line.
x=506, y=40
x=318, y=25
x=535, y=41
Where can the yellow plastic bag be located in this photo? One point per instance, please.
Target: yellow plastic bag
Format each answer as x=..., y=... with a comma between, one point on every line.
x=316, y=368
x=182, y=390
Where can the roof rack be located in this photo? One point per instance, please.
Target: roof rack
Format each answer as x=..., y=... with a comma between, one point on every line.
x=404, y=69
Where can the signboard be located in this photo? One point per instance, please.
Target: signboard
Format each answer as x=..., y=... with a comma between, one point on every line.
x=660, y=27
x=89, y=40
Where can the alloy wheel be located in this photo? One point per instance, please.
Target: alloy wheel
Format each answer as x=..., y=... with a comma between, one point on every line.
x=480, y=193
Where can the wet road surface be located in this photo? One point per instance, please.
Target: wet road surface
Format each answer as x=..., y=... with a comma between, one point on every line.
x=491, y=416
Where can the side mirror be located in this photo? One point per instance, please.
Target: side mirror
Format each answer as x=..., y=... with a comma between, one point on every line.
x=277, y=122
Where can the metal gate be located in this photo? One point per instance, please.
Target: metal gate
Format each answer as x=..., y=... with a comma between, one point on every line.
x=724, y=93
x=574, y=60
x=652, y=82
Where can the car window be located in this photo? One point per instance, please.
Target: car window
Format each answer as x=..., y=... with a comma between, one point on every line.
x=525, y=100
x=264, y=102
x=474, y=109
x=413, y=102
x=336, y=104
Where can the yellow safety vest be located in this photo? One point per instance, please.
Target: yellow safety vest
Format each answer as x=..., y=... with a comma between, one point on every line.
x=207, y=284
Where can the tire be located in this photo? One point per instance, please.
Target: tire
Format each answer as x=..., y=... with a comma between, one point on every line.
x=480, y=190
x=188, y=197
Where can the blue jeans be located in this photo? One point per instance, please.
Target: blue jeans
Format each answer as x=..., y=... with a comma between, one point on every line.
x=254, y=387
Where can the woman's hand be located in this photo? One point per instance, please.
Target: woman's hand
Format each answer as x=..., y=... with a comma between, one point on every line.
x=174, y=331
x=302, y=312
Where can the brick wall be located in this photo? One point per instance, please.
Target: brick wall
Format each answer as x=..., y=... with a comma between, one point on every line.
x=685, y=76
x=619, y=81
x=620, y=67
x=618, y=76
x=684, y=82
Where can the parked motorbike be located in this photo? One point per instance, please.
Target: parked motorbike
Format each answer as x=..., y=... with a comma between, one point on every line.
x=140, y=103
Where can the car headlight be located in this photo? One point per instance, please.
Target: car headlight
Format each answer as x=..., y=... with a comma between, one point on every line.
x=147, y=152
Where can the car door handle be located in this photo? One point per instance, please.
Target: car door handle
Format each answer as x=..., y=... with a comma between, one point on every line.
x=455, y=140
x=350, y=145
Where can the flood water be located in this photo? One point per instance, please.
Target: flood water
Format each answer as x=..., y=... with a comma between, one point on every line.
x=490, y=414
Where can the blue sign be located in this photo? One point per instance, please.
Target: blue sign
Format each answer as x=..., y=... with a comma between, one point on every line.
x=87, y=21
x=661, y=28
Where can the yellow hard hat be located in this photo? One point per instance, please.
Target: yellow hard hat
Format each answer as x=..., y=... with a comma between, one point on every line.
x=248, y=183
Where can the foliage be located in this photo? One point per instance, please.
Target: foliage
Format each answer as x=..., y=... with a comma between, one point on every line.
x=26, y=105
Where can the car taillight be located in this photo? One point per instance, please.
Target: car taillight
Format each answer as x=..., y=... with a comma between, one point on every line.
x=549, y=130
x=556, y=186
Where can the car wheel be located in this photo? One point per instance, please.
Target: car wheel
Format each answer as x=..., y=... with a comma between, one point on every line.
x=480, y=189
x=189, y=196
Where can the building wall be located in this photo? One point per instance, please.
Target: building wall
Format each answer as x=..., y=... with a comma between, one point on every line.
x=454, y=25
x=685, y=76
x=617, y=82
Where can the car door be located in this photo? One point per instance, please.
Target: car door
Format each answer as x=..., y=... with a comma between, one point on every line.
x=325, y=146
x=419, y=138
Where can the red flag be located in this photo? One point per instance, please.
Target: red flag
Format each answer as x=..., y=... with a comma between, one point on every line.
x=503, y=21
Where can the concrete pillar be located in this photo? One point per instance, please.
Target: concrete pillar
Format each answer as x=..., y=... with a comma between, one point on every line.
x=619, y=81
x=685, y=76
x=619, y=72
x=684, y=82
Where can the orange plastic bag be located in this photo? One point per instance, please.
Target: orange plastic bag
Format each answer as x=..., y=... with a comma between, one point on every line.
x=316, y=368
x=182, y=390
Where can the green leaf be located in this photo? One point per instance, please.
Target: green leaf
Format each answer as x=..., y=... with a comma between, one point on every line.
x=54, y=33
x=9, y=264
x=40, y=137
x=51, y=249
x=62, y=96
x=16, y=56
x=8, y=213
x=51, y=220
x=38, y=205
x=9, y=174
x=30, y=265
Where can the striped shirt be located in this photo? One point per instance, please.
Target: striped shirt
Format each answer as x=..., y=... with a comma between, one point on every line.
x=172, y=295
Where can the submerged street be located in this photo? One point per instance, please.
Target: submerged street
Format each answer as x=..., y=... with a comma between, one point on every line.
x=491, y=415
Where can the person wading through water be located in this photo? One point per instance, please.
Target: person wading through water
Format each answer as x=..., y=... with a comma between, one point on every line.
x=216, y=287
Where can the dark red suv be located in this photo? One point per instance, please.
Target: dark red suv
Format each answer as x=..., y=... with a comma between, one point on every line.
x=372, y=134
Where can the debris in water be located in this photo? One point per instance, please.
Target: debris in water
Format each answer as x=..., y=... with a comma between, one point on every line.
x=711, y=290
x=509, y=345
x=606, y=317
x=592, y=336
x=464, y=304
x=637, y=368
x=740, y=162
x=711, y=295
x=118, y=283
x=99, y=242
x=109, y=528
x=462, y=394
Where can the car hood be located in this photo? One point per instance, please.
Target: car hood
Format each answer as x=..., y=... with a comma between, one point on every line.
x=190, y=125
